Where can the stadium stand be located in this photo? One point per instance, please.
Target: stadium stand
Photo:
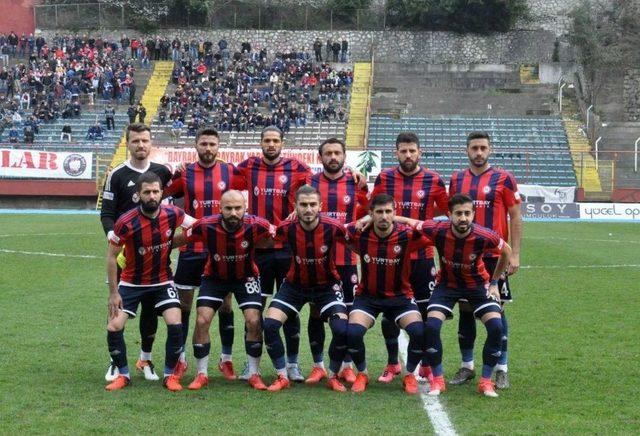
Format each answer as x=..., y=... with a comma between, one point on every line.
x=534, y=149
x=240, y=94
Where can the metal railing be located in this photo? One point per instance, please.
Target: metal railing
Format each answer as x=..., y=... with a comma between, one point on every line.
x=231, y=15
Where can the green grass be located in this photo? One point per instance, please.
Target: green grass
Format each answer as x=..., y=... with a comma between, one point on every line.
x=573, y=349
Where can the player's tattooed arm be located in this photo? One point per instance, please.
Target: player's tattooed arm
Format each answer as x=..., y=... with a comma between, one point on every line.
x=408, y=221
x=363, y=223
x=115, y=301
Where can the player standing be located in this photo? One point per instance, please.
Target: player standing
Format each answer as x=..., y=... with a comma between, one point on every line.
x=419, y=194
x=201, y=184
x=119, y=195
x=312, y=278
x=462, y=246
x=229, y=239
x=496, y=197
x=146, y=233
x=385, y=249
x=271, y=181
x=345, y=201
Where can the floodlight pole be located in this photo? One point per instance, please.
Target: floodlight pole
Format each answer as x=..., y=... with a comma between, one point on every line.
x=588, y=110
x=597, y=142
x=560, y=97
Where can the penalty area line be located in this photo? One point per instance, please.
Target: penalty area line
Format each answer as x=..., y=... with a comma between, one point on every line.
x=42, y=253
x=435, y=410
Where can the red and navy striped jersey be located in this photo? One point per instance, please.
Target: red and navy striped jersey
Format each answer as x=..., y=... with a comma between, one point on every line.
x=493, y=193
x=272, y=188
x=202, y=188
x=147, y=245
x=385, y=262
x=313, y=252
x=417, y=196
x=231, y=254
x=343, y=201
x=461, y=264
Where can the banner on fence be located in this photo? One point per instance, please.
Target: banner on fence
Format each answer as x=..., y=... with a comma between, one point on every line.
x=367, y=162
x=45, y=164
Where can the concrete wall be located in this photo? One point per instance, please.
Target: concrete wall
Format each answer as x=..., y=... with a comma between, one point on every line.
x=17, y=15
x=530, y=46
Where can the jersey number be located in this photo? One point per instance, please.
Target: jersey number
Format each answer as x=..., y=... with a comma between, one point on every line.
x=252, y=287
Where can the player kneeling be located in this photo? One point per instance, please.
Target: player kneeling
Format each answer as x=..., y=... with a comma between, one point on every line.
x=385, y=249
x=230, y=239
x=463, y=276
x=146, y=233
x=312, y=278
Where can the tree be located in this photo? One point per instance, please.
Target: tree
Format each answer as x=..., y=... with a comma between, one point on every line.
x=606, y=35
x=464, y=16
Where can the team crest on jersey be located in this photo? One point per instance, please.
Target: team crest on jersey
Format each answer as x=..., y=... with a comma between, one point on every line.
x=486, y=189
x=397, y=249
x=420, y=193
x=216, y=257
x=354, y=278
x=256, y=191
x=433, y=271
x=324, y=248
x=244, y=244
x=135, y=197
x=222, y=185
x=168, y=233
x=472, y=257
x=142, y=251
x=346, y=199
x=283, y=179
x=367, y=258
x=194, y=203
x=298, y=260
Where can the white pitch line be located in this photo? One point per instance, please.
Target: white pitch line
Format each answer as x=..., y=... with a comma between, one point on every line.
x=550, y=238
x=579, y=266
x=435, y=410
x=21, y=235
x=42, y=253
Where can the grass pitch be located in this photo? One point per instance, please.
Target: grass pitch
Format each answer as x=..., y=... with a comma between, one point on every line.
x=573, y=349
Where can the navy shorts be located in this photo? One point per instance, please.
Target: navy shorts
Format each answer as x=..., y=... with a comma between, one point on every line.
x=443, y=299
x=273, y=265
x=503, y=282
x=392, y=308
x=162, y=297
x=291, y=298
x=423, y=282
x=189, y=271
x=349, y=278
x=213, y=291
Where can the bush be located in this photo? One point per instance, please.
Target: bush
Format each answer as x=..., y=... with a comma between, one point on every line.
x=463, y=16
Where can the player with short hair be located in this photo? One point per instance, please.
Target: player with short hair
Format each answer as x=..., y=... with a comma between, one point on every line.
x=146, y=233
x=311, y=278
x=462, y=246
x=271, y=181
x=201, y=184
x=385, y=250
x=345, y=201
x=420, y=194
x=119, y=196
x=497, y=202
x=229, y=238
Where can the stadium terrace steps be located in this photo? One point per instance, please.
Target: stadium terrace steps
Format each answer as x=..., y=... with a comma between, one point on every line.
x=155, y=89
x=308, y=136
x=584, y=164
x=360, y=96
x=535, y=150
